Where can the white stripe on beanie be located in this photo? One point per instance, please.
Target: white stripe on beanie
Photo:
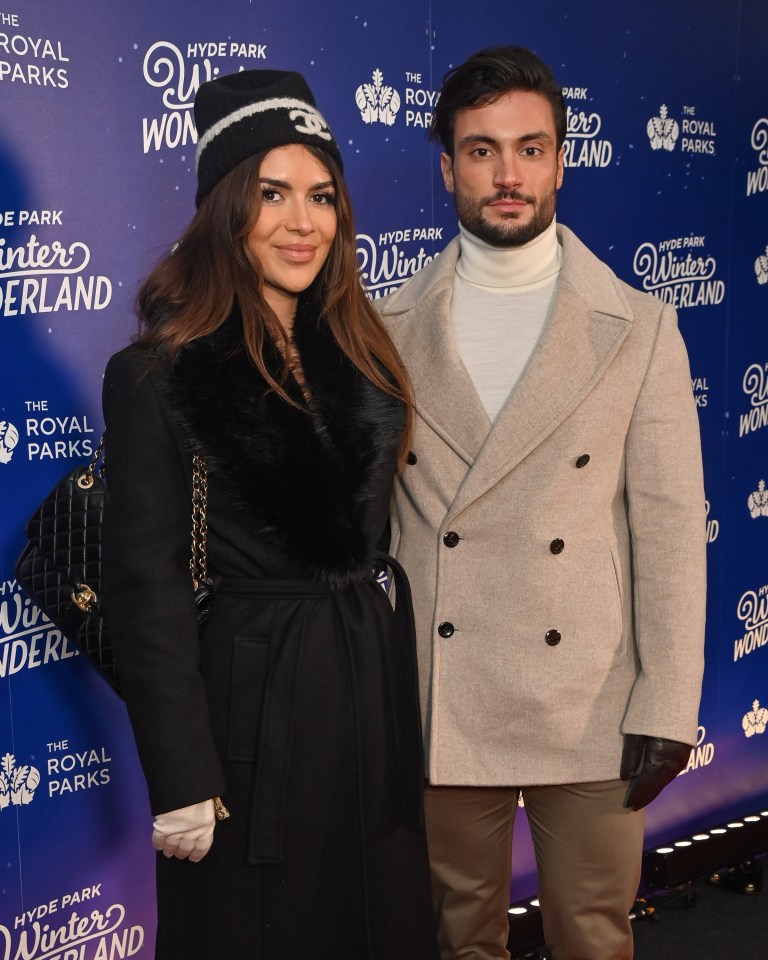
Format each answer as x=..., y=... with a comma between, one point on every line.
x=314, y=122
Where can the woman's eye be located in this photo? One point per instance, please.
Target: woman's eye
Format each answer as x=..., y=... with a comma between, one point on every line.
x=325, y=199
x=269, y=196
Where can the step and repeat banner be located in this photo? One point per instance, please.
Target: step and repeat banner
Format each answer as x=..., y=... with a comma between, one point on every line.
x=666, y=179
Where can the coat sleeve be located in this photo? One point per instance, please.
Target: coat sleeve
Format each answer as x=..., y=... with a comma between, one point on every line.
x=147, y=590
x=665, y=494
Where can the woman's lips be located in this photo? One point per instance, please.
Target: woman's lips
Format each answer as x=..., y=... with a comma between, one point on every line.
x=297, y=253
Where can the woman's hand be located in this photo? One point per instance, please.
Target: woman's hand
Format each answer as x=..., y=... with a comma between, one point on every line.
x=186, y=833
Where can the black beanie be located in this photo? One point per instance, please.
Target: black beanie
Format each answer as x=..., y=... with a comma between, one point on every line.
x=248, y=112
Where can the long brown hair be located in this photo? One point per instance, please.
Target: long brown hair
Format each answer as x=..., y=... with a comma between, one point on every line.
x=191, y=291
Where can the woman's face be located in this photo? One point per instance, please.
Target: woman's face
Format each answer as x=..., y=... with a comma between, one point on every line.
x=296, y=225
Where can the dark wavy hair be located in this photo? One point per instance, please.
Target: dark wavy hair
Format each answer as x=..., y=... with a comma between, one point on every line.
x=484, y=78
x=191, y=291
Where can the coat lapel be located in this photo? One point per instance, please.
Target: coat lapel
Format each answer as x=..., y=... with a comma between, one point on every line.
x=589, y=322
x=420, y=325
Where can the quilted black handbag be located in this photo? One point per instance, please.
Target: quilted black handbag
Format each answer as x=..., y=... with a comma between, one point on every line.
x=60, y=567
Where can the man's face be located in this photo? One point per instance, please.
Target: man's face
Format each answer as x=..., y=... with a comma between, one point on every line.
x=506, y=168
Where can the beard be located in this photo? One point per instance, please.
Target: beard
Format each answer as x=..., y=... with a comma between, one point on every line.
x=507, y=232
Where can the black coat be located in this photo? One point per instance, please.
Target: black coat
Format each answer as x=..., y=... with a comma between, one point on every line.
x=297, y=702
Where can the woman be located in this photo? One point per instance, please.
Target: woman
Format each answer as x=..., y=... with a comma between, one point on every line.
x=296, y=702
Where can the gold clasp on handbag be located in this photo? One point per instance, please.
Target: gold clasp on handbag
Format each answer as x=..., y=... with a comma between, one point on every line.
x=84, y=599
x=85, y=480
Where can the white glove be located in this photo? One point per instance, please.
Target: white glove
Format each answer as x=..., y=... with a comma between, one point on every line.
x=186, y=833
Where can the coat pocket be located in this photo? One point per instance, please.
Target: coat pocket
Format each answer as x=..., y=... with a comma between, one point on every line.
x=250, y=664
x=617, y=581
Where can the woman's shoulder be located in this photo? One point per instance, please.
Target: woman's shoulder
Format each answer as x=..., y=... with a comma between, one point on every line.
x=132, y=365
x=135, y=353
x=141, y=355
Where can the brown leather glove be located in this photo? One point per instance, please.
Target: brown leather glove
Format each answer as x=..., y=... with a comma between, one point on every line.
x=650, y=763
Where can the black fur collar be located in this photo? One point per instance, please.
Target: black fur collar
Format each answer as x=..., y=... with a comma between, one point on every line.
x=317, y=482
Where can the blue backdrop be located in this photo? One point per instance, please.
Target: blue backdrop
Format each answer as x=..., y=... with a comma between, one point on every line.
x=667, y=180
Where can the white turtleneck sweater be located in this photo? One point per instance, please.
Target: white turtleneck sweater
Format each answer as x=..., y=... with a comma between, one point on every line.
x=501, y=301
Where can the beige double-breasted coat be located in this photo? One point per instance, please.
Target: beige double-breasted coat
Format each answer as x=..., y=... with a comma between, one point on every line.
x=557, y=559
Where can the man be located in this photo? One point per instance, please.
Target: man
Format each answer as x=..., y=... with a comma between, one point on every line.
x=551, y=519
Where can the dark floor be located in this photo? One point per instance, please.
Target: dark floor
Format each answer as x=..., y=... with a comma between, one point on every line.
x=700, y=921
x=720, y=925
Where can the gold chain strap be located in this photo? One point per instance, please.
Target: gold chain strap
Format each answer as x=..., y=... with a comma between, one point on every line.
x=198, y=561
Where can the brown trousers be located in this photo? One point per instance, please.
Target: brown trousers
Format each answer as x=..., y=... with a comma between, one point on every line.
x=588, y=853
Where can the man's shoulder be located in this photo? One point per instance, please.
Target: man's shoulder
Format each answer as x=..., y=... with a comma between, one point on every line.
x=593, y=280
x=439, y=270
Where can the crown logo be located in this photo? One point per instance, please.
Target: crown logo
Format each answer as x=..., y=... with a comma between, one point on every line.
x=17, y=784
x=755, y=720
x=757, y=501
x=9, y=437
x=761, y=267
x=663, y=131
x=377, y=102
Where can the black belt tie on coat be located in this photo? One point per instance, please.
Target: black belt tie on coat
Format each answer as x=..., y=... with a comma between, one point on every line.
x=265, y=836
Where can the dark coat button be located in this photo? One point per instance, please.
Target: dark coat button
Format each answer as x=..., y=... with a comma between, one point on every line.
x=411, y=458
x=552, y=637
x=557, y=546
x=582, y=461
x=451, y=539
x=445, y=629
